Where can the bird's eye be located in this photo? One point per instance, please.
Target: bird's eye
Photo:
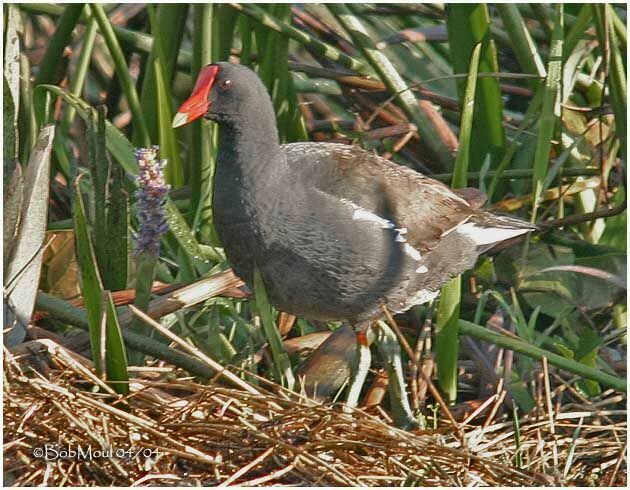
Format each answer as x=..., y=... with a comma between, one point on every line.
x=226, y=84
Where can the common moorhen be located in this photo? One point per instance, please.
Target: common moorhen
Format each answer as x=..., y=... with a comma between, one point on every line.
x=336, y=231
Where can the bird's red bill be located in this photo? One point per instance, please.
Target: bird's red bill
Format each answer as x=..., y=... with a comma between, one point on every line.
x=197, y=104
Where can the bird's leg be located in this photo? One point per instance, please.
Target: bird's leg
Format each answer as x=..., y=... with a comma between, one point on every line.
x=388, y=346
x=360, y=368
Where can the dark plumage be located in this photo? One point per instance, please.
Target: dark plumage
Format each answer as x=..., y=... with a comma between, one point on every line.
x=336, y=231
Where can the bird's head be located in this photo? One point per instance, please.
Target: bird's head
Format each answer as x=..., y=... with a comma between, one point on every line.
x=223, y=92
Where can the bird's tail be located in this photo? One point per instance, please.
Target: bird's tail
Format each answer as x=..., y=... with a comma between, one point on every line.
x=488, y=229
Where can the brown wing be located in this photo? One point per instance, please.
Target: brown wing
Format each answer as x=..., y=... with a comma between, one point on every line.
x=474, y=197
x=425, y=207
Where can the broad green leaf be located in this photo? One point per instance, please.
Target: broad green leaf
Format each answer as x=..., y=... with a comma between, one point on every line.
x=224, y=23
x=470, y=25
x=79, y=76
x=551, y=278
x=109, y=210
x=98, y=165
x=186, y=240
x=447, y=336
x=167, y=26
x=520, y=392
x=49, y=65
x=203, y=134
x=144, y=273
x=169, y=146
x=576, y=32
x=91, y=283
x=48, y=69
x=616, y=232
x=522, y=43
x=550, y=112
x=281, y=362
x=586, y=353
x=607, y=36
x=116, y=247
x=115, y=353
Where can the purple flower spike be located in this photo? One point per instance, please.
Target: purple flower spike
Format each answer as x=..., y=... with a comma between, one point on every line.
x=150, y=196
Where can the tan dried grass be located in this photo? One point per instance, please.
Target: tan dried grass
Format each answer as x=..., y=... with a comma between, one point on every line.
x=186, y=433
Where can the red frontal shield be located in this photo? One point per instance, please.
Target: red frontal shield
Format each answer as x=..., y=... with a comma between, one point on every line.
x=197, y=104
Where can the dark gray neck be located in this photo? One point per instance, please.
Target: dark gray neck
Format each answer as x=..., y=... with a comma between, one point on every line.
x=248, y=161
x=249, y=146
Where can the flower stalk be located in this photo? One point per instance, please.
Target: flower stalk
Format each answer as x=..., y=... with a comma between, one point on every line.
x=150, y=197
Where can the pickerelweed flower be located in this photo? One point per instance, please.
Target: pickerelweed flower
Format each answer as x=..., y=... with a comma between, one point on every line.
x=152, y=191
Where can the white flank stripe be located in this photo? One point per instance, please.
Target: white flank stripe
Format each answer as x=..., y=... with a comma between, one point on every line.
x=412, y=252
x=399, y=234
x=362, y=214
x=422, y=269
x=486, y=236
